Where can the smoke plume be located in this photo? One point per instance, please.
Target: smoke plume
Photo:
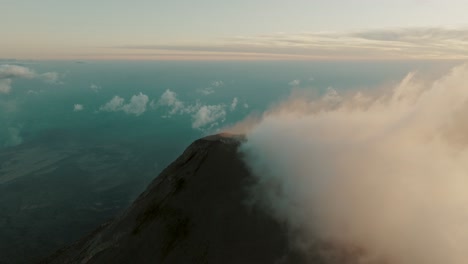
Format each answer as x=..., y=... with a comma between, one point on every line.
x=362, y=178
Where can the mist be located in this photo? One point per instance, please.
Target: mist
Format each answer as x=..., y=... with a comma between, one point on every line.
x=368, y=177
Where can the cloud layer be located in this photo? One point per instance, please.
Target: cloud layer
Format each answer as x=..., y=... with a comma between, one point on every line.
x=400, y=43
x=369, y=178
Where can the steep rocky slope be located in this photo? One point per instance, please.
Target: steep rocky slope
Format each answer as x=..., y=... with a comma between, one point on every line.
x=195, y=211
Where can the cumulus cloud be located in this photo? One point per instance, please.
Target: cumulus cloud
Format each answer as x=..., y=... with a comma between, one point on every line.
x=9, y=72
x=78, y=107
x=204, y=117
x=234, y=103
x=217, y=83
x=208, y=114
x=136, y=106
x=95, y=87
x=206, y=91
x=169, y=99
x=211, y=89
x=363, y=178
x=15, y=71
x=5, y=86
x=114, y=105
x=50, y=77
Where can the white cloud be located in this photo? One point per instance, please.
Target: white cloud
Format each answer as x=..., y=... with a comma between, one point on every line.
x=381, y=174
x=208, y=114
x=246, y=105
x=5, y=86
x=169, y=99
x=78, y=107
x=9, y=72
x=114, y=105
x=211, y=89
x=95, y=87
x=295, y=82
x=217, y=83
x=206, y=91
x=204, y=117
x=50, y=77
x=136, y=106
x=15, y=71
x=234, y=104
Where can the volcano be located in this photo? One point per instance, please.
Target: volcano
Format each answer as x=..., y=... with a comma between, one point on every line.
x=196, y=211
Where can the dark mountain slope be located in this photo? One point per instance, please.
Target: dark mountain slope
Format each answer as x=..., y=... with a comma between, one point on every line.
x=193, y=212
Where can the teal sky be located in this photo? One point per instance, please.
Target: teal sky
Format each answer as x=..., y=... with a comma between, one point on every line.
x=208, y=29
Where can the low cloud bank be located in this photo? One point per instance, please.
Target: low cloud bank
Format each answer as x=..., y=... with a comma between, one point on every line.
x=362, y=178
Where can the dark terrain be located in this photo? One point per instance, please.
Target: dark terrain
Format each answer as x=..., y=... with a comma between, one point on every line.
x=56, y=189
x=195, y=211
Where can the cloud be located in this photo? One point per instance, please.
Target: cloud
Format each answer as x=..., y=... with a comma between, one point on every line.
x=95, y=87
x=234, y=104
x=5, y=86
x=246, y=105
x=368, y=178
x=204, y=117
x=295, y=83
x=114, y=105
x=9, y=72
x=211, y=89
x=217, y=83
x=400, y=43
x=15, y=71
x=169, y=99
x=78, y=107
x=206, y=91
x=136, y=106
x=207, y=115
x=50, y=77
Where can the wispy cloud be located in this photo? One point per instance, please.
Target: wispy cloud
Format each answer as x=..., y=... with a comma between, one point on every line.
x=402, y=43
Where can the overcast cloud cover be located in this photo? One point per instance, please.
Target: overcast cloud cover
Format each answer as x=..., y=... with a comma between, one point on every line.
x=380, y=177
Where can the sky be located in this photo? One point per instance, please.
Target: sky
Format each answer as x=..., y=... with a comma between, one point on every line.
x=240, y=30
